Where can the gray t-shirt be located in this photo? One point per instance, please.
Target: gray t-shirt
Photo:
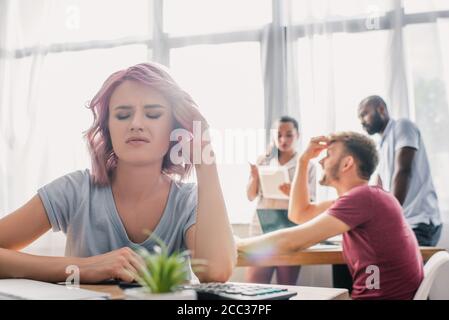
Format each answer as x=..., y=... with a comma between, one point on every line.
x=87, y=214
x=421, y=203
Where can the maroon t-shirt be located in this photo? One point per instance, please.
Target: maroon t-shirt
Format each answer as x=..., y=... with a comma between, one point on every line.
x=379, y=240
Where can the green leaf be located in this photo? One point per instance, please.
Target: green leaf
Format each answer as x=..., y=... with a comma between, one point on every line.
x=163, y=272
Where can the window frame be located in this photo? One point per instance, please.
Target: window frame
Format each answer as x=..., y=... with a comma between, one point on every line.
x=160, y=43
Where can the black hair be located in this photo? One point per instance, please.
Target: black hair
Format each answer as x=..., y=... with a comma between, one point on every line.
x=285, y=119
x=374, y=100
x=272, y=150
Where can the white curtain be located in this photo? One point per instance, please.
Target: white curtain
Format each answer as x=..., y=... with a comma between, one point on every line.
x=280, y=73
x=24, y=155
x=396, y=73
x=53, y=58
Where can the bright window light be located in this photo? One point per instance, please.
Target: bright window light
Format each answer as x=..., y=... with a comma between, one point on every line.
x=183, y=17
x=316, y=10
x=226, y=82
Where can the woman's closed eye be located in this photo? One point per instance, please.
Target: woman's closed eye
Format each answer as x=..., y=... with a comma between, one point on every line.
x=122, y=116
x=153, y=115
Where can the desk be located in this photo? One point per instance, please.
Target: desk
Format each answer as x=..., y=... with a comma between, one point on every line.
x=304, y=293
x=312, y=257
x=114, y=290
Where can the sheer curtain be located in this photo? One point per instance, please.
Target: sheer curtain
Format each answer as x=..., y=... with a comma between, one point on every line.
x=427, y=56
x=280, y=73
x=53, y=58
x=397, y=81
x=23, y=143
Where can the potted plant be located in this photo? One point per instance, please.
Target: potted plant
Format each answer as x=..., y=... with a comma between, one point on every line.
x=163, y=274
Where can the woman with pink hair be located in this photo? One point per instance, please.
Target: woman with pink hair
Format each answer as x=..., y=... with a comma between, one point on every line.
x=134, y=188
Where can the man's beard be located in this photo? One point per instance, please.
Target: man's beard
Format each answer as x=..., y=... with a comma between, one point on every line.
x=333, y=175
x=376, y=126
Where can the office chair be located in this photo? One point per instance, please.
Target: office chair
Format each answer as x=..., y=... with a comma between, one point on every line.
x=431, y=269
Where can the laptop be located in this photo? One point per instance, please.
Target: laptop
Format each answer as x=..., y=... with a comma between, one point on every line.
x=274, y=219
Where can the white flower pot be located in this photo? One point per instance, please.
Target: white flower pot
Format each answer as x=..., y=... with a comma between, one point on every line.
x=142, y=294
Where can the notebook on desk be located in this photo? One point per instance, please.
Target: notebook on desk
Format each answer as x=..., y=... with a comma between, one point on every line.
x=24, y=289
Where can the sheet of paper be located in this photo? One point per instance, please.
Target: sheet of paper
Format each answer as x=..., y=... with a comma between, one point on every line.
x=36, y=290
x=270, y=179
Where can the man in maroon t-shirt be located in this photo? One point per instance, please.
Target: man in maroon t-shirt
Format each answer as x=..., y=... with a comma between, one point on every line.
x=378, y=245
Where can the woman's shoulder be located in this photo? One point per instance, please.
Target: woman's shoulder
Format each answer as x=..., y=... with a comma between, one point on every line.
x=79, y=174
x=75, y=182
x=75, y=178
x=64, y=196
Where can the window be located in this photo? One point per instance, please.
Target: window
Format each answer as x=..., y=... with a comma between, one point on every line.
x=418, y=6
x=84, y=20
x=335, y=73
x=209, y=16
x=320, y=10
x=65, y=90
x=225, y=80
x=429, y=88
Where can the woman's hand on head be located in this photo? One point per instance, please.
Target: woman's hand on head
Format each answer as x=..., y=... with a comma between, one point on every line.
x=121, y=264
x=197, y=140
x=188, y=116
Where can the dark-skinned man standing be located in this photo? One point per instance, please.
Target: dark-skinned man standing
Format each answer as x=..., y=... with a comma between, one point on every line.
x=404, y=168
x=403, y=171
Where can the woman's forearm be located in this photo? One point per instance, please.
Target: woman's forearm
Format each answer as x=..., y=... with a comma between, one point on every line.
x=14, y=264
x=252, y=189
x=299, y=195
x=214, y=241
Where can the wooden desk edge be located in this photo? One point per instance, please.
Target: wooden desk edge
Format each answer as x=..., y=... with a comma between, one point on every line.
x=314, y=257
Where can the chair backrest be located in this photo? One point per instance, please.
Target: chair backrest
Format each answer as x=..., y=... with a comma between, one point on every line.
x=431, y=268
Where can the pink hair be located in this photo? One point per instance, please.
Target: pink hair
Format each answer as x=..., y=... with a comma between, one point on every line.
x=184, y=110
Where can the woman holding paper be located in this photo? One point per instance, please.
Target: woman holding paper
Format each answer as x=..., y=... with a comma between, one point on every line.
x=281, y=153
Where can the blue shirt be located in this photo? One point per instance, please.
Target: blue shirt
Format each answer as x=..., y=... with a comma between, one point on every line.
x=87, y=214
x=421, y=202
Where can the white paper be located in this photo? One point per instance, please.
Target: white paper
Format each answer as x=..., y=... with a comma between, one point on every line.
x=25, y=289
x=271, y=178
